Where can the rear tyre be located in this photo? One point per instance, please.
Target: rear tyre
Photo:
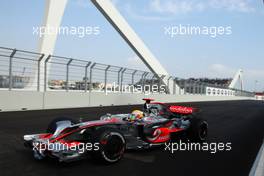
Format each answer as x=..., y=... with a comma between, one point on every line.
x=111, y=145
x=53, y=124
x=198, y=130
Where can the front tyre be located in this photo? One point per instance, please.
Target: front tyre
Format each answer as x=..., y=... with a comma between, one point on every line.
x=111, y=145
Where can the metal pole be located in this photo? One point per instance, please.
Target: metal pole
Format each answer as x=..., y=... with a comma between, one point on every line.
x=201, y=88
x=45, y=73
x=67, y=75
x=118, y=78
x=159, y=83
x=133, y=77
x=91, y=74
x=195, y=87
x=146, y=74
x=10, y=69
x=41, y=57
x=185, y=85
x=122, y=77
x=105, y=81
x=152, y=82
x=86, y=76
x=133, y=80
x=144, y=80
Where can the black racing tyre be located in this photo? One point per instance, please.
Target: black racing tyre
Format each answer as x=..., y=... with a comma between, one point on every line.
x=112, y=145
x=198, y=130
x=53, y=126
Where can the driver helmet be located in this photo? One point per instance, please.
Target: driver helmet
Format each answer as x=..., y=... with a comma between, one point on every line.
x=138, y=114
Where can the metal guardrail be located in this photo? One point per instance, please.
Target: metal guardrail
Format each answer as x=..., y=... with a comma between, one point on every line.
x=25, y=70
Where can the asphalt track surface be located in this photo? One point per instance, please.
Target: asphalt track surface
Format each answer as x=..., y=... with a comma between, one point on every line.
x=238, y=122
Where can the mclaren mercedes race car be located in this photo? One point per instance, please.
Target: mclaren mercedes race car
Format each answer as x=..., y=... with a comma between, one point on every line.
x=107, y=139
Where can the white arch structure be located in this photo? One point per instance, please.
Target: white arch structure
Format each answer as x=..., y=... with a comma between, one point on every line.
x=54, y=10
x=238, y=78
x=53, y=15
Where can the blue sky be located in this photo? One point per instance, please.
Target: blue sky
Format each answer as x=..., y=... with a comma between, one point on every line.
x=183, y=56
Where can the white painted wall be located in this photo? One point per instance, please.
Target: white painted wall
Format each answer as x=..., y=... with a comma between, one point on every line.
x=213, y=91
x=259, y=97
x=30, y=100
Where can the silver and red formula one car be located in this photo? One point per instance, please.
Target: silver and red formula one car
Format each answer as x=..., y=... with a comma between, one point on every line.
x=107, y=139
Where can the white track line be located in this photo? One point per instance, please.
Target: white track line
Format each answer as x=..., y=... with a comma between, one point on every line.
x=258, y=166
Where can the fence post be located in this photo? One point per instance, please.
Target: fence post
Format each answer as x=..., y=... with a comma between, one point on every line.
x=142, y=78
x=185, y=85
x=152, y=82
x=118, y=78
x=86, y=76
x=133, y=80
x=198, y=87
x=45, y=73
x=38, y=81
x=122, y=77
x=67, y=74
x=10, y=69
x=91, y=77
x=105, y=81
x=144, y=81
x=202, y=88
x=192, y=87
x=195, y=90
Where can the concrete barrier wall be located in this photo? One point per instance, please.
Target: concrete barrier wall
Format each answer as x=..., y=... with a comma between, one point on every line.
x=54, y=100
x=18, y=100
x=30, y=100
